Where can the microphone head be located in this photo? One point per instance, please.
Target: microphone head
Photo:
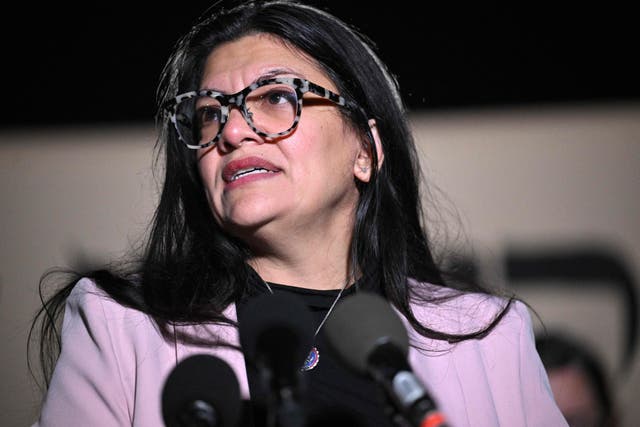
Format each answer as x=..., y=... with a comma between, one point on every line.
x=202, y=390
x=362, y=323
x=276, y=333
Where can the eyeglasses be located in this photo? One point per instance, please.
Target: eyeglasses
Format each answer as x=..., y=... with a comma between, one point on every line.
x=272, y=108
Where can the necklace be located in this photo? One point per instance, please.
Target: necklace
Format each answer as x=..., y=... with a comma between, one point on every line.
x=314, y=355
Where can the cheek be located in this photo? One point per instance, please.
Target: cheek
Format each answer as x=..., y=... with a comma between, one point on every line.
x=319, y=162
x=330, y=147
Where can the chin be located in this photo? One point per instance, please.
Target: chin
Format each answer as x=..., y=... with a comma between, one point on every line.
x=248, y=225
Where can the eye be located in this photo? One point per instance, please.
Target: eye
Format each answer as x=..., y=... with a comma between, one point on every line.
x=280, y=97
x=208, y=114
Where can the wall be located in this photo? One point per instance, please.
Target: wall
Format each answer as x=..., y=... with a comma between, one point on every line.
x=554, y=182
x=524, y=180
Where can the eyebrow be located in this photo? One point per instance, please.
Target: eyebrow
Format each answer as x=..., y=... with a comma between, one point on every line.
x=276, y=72
x=265, y=75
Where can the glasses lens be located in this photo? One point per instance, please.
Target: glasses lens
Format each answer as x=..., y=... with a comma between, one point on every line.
x=272, y=109
x=198, y=120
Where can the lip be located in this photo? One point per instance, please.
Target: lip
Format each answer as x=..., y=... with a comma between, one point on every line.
x=234, y=167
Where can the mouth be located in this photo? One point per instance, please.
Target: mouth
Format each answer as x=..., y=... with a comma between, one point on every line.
x=249, y=166
x=250, y=171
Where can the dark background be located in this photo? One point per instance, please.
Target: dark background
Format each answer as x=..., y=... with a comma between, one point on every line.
x=100, y=62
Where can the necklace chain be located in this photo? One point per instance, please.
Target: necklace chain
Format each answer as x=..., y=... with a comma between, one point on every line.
x=326, y=316
x=314, y=355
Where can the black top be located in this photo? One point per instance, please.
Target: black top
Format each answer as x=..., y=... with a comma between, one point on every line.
x=333, y=394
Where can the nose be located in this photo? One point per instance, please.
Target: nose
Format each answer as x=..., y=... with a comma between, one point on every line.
x=236, y=131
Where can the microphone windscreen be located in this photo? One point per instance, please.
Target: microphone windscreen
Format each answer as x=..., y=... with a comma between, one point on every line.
x=276, y=330
x=360, y=324
x=199, y=383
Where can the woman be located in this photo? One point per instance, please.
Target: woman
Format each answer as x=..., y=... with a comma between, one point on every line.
x=289, y=168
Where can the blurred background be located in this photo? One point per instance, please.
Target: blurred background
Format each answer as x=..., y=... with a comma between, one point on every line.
x=527, y=119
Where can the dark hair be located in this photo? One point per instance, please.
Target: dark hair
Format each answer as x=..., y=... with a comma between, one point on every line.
x=191, y=269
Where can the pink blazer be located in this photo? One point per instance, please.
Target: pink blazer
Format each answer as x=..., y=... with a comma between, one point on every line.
x=114, y=362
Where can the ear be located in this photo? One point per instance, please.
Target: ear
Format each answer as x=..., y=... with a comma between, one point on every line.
x=362, y=166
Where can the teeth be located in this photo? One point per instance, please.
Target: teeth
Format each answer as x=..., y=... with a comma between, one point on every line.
x=248, y=172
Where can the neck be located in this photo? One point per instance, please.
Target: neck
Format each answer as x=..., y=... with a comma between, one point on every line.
x=310, y=265
x=309, y=252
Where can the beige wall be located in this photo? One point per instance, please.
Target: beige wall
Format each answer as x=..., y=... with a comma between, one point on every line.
x=525, y=178
x=545, y=179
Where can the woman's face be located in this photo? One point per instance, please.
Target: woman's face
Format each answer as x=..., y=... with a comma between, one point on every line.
x=306, y=180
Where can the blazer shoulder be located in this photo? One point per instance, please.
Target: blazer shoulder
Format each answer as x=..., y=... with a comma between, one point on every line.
x=458, y=312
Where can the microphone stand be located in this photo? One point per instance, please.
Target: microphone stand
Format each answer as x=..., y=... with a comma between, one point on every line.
x=283, y=405
x=290, y=412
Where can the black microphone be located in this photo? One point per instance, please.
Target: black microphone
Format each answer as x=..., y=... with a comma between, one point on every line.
x=368, y=336
x=201, y=391
x=276, y=334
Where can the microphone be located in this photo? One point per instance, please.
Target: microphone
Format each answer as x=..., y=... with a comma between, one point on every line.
x=201, y=391
x=276, y=333
x=369, y=337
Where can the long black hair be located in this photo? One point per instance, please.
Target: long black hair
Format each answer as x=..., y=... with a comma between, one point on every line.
x=190, y=269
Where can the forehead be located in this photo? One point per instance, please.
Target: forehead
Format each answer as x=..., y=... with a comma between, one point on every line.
x=249, y=58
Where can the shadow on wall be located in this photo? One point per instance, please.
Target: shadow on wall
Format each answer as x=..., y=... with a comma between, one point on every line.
x=580, y=269
x=575, y=272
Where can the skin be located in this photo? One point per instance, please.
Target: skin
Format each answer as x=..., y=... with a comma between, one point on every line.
x=297, y=220
x=575, y=396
